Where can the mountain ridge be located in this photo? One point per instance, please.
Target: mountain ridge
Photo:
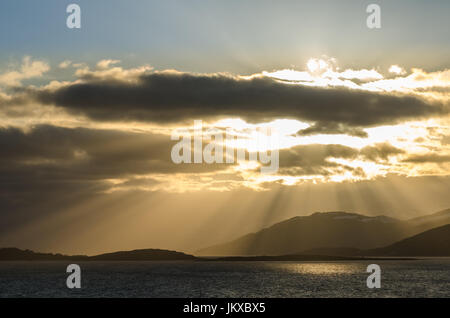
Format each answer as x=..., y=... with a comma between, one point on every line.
x=342, y=229
x=16, y=254
x=407, y=239
x=434, y=242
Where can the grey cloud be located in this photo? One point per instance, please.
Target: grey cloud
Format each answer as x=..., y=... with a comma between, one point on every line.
x=313, y=159
x=380, y=151
x=445, y=140
x=171, y=97
x=90, y=153
x=333, y=128
x=51, y=167
x=428, y=158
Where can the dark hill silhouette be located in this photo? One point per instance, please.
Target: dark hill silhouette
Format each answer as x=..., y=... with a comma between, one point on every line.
x=143, y=255
x=330, y=229
x=15, y=254
x=434, y=242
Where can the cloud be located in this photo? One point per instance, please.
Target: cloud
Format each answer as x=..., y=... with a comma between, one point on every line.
x=65, y=64
x=104, y=64
x=324, y=160
x=380, y=151
x=60, y=166
x=417, y=82
x=104, y=72
x=363, y=75
x=77, y=156
x=173, y=96
x=332, y=128
x=325, y=73
x=395, y=69
x=88, y=154
x=428, y=158
x=29, y=69
x=445, y=140
x=329, y=100
x=305, y=160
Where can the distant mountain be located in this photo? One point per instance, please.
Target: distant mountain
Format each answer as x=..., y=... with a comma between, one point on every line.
x=434, y=242
x=330, y=229
x=430, y=221
x=143, y=255
x=320, y=236
x=15, y=254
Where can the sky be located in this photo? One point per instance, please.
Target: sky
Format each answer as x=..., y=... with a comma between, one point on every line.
x=236, y=36
x=89, y=118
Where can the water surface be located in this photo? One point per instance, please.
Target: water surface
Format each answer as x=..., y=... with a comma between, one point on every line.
x=413, y=278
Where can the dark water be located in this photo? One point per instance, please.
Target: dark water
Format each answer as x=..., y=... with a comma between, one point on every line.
x=418, y=278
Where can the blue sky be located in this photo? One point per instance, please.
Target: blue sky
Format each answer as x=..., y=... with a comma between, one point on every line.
x=235, y=36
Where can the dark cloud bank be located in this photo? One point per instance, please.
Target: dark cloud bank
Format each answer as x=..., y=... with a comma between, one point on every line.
x=50, y=162
x=170, y=97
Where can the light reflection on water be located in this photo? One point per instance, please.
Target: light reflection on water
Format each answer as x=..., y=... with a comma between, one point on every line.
x=322, y=269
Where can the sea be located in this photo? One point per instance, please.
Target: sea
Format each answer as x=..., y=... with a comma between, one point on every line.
x=399, y=278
